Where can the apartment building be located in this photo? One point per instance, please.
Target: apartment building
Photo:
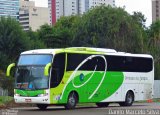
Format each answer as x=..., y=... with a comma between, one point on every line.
x=155, y=10
x=83, y=6
x=9, y=8
x=60, y=8
x=94, y=3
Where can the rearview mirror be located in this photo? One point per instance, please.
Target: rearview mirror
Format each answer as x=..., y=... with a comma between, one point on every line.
x=8, y=73
x=46, y=69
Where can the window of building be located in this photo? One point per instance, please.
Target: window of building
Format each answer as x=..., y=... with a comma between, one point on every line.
x=157, y=15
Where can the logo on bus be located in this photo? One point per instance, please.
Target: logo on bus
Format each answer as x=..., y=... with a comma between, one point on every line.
x=81, y=77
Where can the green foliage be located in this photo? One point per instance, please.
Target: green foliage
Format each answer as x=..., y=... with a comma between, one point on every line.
x=6, y=82
x=35, y=42
x=64, y=30
x=3, y=60
x=154, y=45
x=5, y=99
x=139, y=18
x=60, y=35
x=45, y=34
x=109, y=27
x=12, y=40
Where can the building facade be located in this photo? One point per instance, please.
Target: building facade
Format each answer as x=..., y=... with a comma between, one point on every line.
x=60, y=8
x=9, y=8
x=94, y=3
x=83, y=6
x=71, y=7
x=31, y=16
x=50, y=2
x=155, y=10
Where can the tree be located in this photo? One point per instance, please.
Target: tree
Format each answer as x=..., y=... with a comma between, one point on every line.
x=154, y=45
x=60, y=35
x=109, y=27
x=140, y=19
x=13, y=40
x=64, y=30
x=35, y=42
x=46, y=35
x=3, y=60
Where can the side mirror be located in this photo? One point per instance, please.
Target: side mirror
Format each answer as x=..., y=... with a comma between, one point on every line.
x=46, y=69
x=8, y=73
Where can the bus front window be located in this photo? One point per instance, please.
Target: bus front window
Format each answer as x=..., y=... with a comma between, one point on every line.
x=30, y=72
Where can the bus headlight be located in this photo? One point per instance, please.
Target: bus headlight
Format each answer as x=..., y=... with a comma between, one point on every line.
x=42, y=95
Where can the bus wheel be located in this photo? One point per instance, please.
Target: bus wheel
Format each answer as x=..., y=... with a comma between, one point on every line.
x=72, y=101
x=42, y=106
x=129, y=99
x=104, y=104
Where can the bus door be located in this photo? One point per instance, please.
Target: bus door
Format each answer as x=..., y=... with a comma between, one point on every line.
x=57, y=73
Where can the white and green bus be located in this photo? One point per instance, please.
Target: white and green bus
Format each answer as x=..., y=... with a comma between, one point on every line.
x=82, y=75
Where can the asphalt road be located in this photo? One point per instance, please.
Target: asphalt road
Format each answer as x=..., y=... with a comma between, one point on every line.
x=112, y=109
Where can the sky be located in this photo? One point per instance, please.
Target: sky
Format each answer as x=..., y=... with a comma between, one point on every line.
x=143, y=6
x=41, y=3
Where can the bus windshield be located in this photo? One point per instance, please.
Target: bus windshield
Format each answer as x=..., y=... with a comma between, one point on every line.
x=34, y=59
x=30, y=72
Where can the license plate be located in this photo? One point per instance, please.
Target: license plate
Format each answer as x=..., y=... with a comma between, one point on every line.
x=28, y=100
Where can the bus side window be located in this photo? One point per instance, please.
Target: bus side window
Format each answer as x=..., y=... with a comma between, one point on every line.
x=57, y=71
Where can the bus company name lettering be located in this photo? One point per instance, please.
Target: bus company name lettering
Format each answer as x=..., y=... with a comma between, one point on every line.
x=136, y=78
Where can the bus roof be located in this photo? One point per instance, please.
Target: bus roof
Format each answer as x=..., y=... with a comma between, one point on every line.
x=39, y=51
x=85, y=50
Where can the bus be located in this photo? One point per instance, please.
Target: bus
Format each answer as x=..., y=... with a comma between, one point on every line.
x=73, y=75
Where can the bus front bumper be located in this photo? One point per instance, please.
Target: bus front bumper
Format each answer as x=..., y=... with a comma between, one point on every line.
x=36, y=100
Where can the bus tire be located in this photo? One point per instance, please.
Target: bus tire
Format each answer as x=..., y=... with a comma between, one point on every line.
x=128, y=100
x=103, y=104
x=72, y=101
x=42, y=106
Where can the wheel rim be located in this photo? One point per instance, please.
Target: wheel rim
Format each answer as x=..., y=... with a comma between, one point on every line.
x=129, y=98
x=72, y=100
